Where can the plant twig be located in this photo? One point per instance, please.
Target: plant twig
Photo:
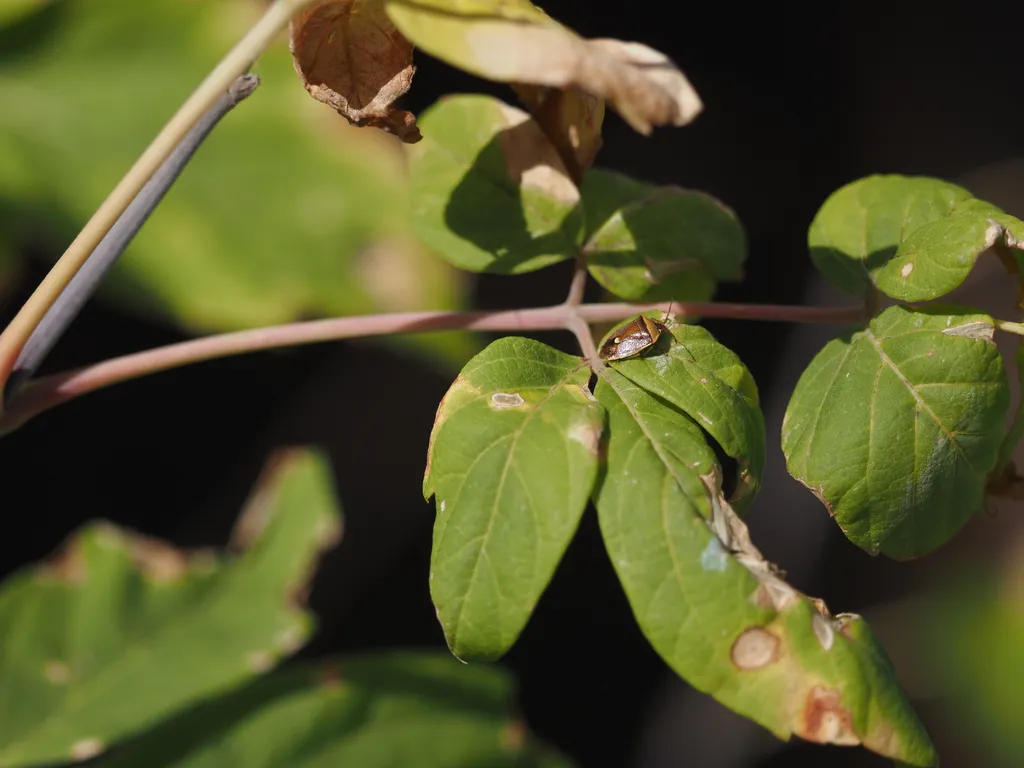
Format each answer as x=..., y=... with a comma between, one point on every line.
x=579, y=281
x=82, y=286
x=235, y=63
x=45, y=393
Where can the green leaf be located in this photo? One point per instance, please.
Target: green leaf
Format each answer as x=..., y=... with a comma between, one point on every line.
x=399, y=709
x=12, y=11
x=913, y=238
x=285, y=212
x=489, y=193
x=648, y=243
x=120, y=631
x=897, y=427
x=716, y=611
x=512, y=461
x=690, y=370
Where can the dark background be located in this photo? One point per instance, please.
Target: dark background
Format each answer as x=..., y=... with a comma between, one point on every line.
x=796, y=104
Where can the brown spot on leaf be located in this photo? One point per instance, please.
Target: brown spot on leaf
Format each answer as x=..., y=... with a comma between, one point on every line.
x=755, y=648
x=824, y=720
x=330, y=676
x=157, y=559
x=513, y=736
x=84, y=749
x=67, y=565
x=349, y=55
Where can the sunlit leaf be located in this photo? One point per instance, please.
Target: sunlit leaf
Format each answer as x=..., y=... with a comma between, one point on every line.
x=511, y=463
x=489, y=191
x=716, y=611
x=513, y=41
x=914, y=238
x=119, y=631
x=897, y=427
x=648, y=243
x=399, y=709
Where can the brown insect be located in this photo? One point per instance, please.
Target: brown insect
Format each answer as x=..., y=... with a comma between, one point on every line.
x=633, y=338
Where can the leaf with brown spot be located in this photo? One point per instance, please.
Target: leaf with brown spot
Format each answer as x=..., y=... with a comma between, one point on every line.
x=715, y=609
x=351, y=57
x=513, y=41
x=133, y=629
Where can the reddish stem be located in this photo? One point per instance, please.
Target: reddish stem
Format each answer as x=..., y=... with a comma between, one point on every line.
x=47, y=392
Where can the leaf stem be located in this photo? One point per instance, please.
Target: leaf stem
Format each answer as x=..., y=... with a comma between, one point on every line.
x=42, y=394
x=1010, y=327
x=235, y=63
x=85, y=282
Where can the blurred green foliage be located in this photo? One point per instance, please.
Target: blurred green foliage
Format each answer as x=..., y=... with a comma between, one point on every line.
x=285, y=212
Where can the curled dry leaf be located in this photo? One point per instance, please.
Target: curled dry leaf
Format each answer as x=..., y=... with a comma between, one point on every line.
x=349, y=55
x=570, y=119
x=512, y=41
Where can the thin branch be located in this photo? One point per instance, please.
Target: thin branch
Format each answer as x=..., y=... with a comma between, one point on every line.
x=84, y=284
x=235, y=63
x=579, y=281
x=45, y=393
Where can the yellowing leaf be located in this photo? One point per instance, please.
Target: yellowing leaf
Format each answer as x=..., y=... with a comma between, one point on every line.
x=570, y=119
x=350, y=56
x=512, y=41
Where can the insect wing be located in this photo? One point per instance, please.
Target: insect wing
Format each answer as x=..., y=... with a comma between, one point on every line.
x=631, y=339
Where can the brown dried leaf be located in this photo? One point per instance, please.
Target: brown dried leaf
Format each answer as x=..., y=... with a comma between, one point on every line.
x=349, y=55
x=570, y=119
x=513, y=41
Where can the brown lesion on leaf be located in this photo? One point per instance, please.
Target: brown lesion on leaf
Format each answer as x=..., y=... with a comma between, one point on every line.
x=755, y=648
x=824, y=720
x=67, y=565
x=513, y=736
x=157, y=559
x=351, y=57
x=329, y=676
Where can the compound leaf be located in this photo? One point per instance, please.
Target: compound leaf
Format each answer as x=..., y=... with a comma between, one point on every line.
x=120, y=631
x=897, y=427
x=512, y=461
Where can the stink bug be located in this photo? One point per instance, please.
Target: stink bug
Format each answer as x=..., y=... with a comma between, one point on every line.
x=633, y=338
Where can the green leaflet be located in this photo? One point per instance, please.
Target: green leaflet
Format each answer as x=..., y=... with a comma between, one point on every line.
x=897, y=427
x=120, y=631
x=717, y=612
x=913, y=238
x=647, y=243
x=489, y=193
x=396, y=709
x=512, y=461
x=709, y=383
